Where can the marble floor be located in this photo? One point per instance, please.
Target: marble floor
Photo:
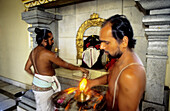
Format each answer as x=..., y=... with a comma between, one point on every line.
x=7, y=98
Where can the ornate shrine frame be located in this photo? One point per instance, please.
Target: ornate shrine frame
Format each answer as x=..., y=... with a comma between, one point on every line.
x=94, y=21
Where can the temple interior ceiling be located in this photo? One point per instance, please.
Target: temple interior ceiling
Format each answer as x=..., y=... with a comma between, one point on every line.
x=50, y=3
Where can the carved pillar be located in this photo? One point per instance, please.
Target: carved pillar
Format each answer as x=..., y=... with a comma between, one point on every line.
x=158, y=31
x=37, y=17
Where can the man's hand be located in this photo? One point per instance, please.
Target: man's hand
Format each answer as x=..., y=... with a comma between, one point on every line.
x=84, y=70
x=90, y=84
x=95, y=82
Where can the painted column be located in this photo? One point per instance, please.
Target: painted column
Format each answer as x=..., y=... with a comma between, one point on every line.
x=38, y=17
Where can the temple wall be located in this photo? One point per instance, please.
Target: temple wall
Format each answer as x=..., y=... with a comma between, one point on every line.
x=75, y=15
x=14, y=42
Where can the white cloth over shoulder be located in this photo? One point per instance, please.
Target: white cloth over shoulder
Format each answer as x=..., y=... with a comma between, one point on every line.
x=90, y=56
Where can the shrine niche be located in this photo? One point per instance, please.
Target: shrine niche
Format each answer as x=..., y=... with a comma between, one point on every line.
x=93, y=21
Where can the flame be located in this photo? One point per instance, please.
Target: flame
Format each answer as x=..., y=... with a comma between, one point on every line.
x=83, y=84
x=67, y=107
x=98, y=101
x=70, y=90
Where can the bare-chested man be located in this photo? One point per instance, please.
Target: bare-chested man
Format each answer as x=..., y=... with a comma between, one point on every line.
x=126, y=79
x=41, y=58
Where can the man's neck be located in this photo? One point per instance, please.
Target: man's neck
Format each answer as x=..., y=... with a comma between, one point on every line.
x=124, y=57
x=41, y=45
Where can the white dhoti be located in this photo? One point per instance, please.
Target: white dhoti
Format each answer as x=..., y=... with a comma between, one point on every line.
x=42, y=97
x=43, y=100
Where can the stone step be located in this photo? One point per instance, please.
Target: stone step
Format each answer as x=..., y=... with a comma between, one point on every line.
x=6, y=103
x=7, y=98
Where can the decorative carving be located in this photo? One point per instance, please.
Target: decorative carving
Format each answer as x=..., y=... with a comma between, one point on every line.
x=94, y=21
x=46, y=4
x=32, y=3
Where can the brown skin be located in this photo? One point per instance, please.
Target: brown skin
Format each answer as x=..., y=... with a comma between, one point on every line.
x=132, y=81
x=43, y=60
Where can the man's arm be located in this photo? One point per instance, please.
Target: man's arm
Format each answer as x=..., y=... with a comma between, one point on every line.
x=103, y=80
x=28, y=66
x=60, y=62
x=131, y=88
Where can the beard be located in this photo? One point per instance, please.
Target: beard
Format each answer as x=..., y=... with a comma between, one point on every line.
x=117, y=55
x=49, y=47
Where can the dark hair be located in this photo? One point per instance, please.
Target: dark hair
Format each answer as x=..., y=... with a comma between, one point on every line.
x=121, y=27
x=41, y=34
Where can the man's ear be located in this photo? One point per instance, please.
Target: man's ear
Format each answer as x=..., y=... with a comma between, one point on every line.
x=44, y=42
x=125, y=41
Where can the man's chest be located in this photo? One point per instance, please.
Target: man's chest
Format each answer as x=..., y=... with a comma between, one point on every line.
x=112, y=78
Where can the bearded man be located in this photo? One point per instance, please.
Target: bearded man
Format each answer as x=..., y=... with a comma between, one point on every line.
x=42, y=58
x=126, y=79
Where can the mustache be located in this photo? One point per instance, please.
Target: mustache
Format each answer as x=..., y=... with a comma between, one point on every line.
x=106, y=52
x=109, y=56
x=103, y=51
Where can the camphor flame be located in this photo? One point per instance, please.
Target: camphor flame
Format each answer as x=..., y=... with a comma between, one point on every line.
x=76, y=98
x=70, y=90
x=83, y=84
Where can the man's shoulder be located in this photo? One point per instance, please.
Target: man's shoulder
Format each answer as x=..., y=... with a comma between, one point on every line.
x=133, y=78
x=134, y=70
x=45, y=51
x=46, y=54
x=133, y=73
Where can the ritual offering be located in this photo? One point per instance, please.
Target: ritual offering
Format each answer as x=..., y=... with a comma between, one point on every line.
x=76, y=99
